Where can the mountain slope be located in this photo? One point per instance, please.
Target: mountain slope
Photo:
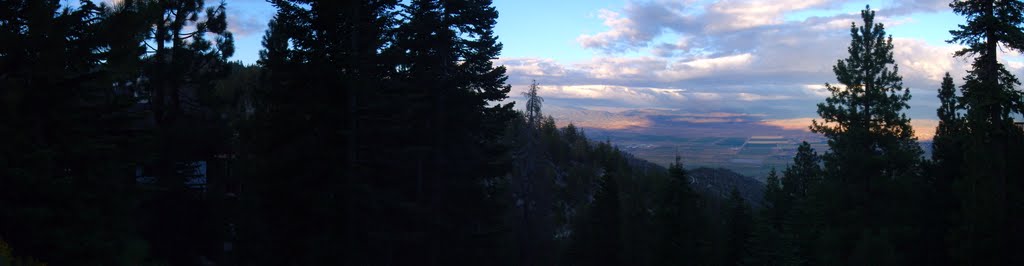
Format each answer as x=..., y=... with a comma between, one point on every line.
x=718, y=182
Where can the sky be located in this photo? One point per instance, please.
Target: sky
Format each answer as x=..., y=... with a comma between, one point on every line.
x=763, y=61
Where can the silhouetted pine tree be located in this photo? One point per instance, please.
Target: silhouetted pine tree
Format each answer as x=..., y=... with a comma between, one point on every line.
x=678, y=221
x=944, y=169
x=947, y=143
x=873, y=149
x=313, y=197
x=799, y=178
x=448, y=83
x=532, y=182
x=991, y=189
x=769, y=245
x=775, y=206
x=802, y=224
x=740, y=227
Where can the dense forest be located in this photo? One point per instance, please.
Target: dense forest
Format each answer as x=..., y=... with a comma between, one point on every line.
x=379, y=132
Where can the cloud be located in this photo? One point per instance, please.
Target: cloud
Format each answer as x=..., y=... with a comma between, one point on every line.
x=243, y=24
x=729, y=15
x=743, y=96
x=650, y=72
x=713, y=117
x=728, y=26
x=1015, y=65
x=112, y=2
x=620, y=95
x=624, y=34
x=687, y=69
x=707, y=120
x=622, y=67
x=671, y=49
x=613, y=124
x=588, y=118
x=534, y=67
x=921, y=63
x=638, y=24
x=790, y=124
x=924, y=129
x=740, y=56
x=719, y=62
x=817, y=90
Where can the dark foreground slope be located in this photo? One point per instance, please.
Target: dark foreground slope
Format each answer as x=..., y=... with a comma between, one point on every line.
x=571, y=197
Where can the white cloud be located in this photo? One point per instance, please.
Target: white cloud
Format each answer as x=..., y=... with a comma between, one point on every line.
x=749, y=97
x=533, y=66
x=1015, y=65
x=720, y=62
x=743, y=14
x=924, y=63
x=621, y=29
x=622, y=67
x=640, y=24
x=754, y=61
x=838, y=23
x=672, y=49
x=816, y=90
x=790, y=124
x=241, y=24
x=637, y=96
x=707, y=96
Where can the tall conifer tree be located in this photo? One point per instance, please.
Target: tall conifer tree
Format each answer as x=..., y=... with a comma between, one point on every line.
x=991, y=188
x=739, y=229
x=678, y=220
x=775, y=205
x=532, y=181
x=450, y=87
x=946, y=144
x=871, y=140
x=945, y=169
x=802, y=224
x=309, y=148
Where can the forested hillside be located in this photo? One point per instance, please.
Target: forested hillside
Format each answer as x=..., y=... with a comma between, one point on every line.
x=579, y=201
x=379, y=133
x=719, y=182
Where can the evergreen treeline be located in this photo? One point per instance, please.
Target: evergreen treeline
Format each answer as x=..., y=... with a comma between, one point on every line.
x=872, y=199
x=375, y=133
x=582, y=202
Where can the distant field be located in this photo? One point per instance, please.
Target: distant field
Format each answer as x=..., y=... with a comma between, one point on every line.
x=753, y=160
x=757, y=151
x=731, y=142
x=731, y=150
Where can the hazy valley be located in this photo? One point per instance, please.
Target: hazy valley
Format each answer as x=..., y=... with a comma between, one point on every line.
x=748, y=144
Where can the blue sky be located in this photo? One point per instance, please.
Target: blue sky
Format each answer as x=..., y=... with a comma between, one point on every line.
x=768, y=59
x=549, y=29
